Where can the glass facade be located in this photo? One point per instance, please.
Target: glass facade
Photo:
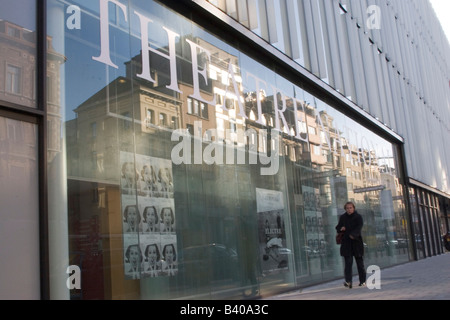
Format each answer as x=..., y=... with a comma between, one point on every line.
x=18, y=53
x=180, y=165
x=19, y=212
x=184, y=168
x=19, y=162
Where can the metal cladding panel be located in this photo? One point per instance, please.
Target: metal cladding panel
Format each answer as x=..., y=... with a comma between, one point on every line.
x=357, y=64
x=304, y=35
x=401, y=76
x=398, y=101
x=396, y=33
x=252, y=14
x=344, y=51
x=385, y=30
x=263, y=21
x=319, y=38
x=379, y=78
x=371, y=14
x=282, y=19
x=277, y=25
x=370, y=76
x=231, y=8
x=421, y=134
x=355, y=9
x=311, y=38
x=388, y=107
x=445, y=151
x=413, y=122
x=295, y=37
x=335, y=71
x=271, y=22
x=242, y=12
x=437, y=152
x=426, y=138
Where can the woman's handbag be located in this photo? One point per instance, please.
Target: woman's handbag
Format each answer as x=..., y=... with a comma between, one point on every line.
x=339, y=237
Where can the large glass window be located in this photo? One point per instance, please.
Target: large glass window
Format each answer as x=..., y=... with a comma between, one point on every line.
x=19, y=212
x=18, y=52
x=206, y=175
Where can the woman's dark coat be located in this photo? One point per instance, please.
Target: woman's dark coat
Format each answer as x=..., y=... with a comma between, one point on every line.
x=353, y=224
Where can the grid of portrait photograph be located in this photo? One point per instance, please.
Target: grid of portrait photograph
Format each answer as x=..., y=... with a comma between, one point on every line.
x=148, y=212
x=315, y=236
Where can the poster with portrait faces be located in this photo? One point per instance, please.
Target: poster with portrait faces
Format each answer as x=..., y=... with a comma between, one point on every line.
x=128, y=174
x=314, y=227
x=133, y=257
x=152, y=259
x=274, y=254
x=169, y=255
x=148, y=216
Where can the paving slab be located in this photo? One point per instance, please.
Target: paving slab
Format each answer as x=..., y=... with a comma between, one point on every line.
x=426, y=279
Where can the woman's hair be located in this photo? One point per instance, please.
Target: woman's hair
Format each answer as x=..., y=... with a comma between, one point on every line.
x=124, y=168
x=146, y=211
x=174, y=252
x=171, y=214
x=152, y=172
x=125, y=213
x=127, y=254
x=347, y=203
x=158, y=255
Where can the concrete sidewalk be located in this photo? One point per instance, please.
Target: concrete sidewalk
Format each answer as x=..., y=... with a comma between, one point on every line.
x=427, y=279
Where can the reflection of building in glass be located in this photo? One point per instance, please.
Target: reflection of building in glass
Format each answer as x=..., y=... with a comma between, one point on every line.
x=18, y=64
x=109, y=121
x=17, y=85
x=189, y=109
x=18, y=74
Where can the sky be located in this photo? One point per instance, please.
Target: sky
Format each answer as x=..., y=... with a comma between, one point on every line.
x=442, y=8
